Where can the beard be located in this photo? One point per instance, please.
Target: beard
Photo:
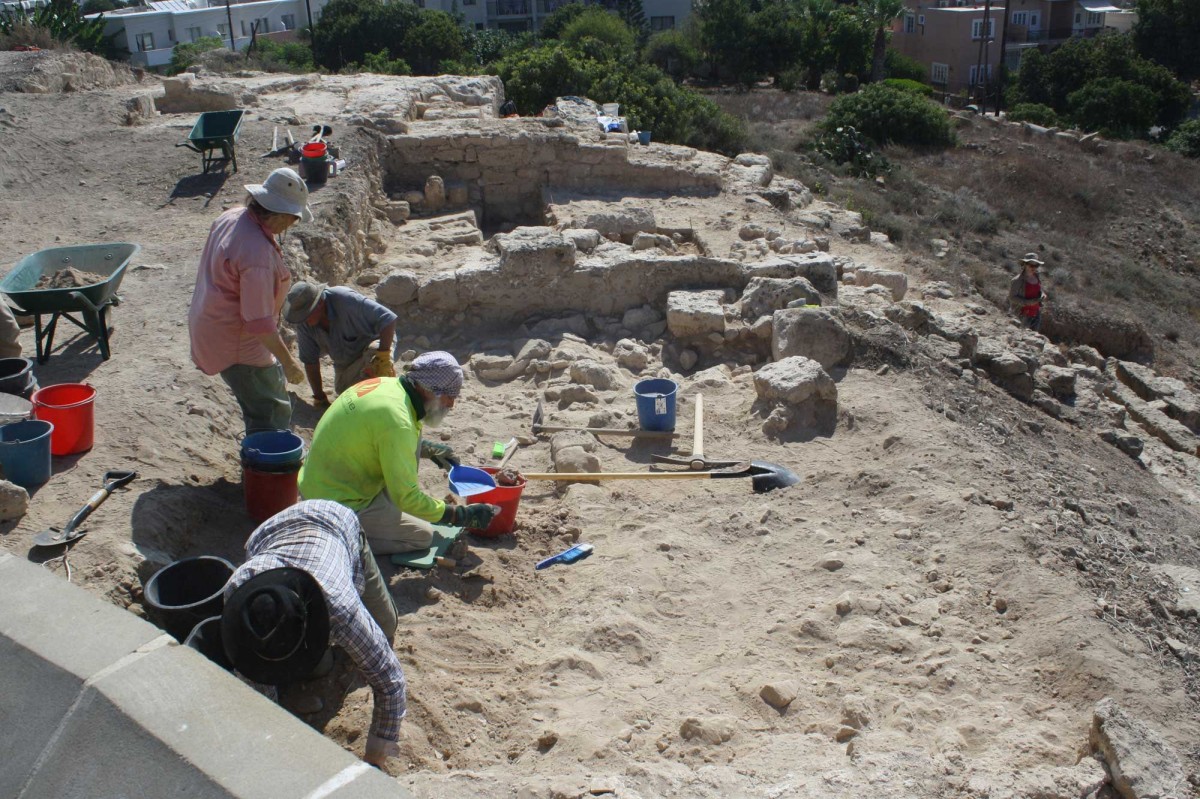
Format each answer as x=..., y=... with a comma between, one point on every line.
x=435, y=414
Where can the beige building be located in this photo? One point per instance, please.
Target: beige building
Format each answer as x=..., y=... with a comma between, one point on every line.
x=960, y=42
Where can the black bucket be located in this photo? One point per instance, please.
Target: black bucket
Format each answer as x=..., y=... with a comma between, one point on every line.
x=16, y=377
x=205, y=638
x=187, y=592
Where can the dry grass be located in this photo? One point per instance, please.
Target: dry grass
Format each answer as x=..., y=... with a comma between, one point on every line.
x=26, y=35
x=1119, y=229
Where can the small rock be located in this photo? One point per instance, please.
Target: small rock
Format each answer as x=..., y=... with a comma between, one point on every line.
x=779, y=694
x=844, y=734
x=14, y=501
x=831, y=562
x=687, y=359
x=844, y=605
x=547, y=740
x=304, y=704
x=714, y=731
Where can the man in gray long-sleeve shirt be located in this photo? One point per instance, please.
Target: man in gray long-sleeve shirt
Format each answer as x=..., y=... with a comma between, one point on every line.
x=275, y=626
x=343, y=324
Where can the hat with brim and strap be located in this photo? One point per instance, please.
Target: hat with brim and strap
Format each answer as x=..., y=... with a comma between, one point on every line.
x=302, y=299
x=284, y=193
x=275, y=626
x=1032, y=258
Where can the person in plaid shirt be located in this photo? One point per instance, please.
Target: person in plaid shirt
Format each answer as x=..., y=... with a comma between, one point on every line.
x=310, y=582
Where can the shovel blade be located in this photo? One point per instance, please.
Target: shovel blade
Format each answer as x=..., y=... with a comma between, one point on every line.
x=766, y=476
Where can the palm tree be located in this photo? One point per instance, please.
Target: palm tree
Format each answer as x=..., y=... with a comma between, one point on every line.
x=880, y=14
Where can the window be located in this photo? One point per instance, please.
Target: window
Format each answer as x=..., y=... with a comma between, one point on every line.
x=1078, y=17
x=144, y=42
x=222, y=29
x=977, y=28
x=1020, y=18
x=978, y=75
x=939, y=73
x=1094, y=19
x=468, y=2
x=662, y=23
x=289, y=21
x=243, y=23
x=262, y=25
x=170, y=34
x=193, y=34
x=921, y=20
x=910, y=23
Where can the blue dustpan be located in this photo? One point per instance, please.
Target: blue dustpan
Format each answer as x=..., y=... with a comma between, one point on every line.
x=467, y=481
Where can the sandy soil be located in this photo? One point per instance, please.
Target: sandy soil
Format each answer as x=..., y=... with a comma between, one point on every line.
x=962, y=645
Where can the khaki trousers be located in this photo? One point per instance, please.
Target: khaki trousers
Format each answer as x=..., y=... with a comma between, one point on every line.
x=390, y=531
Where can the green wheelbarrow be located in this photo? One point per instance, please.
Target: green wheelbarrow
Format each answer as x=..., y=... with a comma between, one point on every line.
x=216, y=132
x=91, y=303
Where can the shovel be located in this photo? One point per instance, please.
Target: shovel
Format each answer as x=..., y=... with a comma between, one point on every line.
x=765, y=476
x=54, y=536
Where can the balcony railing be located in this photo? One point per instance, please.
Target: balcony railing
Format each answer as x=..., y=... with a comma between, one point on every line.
x=549, y=6
x=508, y=8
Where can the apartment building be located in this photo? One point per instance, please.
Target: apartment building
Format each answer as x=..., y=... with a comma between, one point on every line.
x=959, y=41
x=150, y=32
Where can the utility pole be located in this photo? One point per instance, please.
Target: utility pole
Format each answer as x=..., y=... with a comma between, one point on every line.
x=1003, y=58
x=980, y=65
x=229, y=18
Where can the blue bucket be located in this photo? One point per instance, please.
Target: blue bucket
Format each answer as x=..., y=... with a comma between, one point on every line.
x=272, y=447
x=25, y=452
x=656, y=403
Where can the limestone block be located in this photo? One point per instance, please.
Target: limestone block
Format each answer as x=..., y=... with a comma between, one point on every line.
x=398, y=288
x=695, y=313
x=636, y=319
x=439, y=293
x=435, y=193
x=815, y=333
x=818, y=268
x=415, y=199
x=632, y=355
x=1006, y=364
x=14, y=501
x=1060, y=380
x=1141, y=763
x=534, y=253
x=897, y=282
x=569, y=395
x=951, y=328
x=623, y=220
x=534, y=349
x=571, y=460
x=779, y=694
x=1123, y=440
x=649, y=241
x=1180, y=403
x=802, y=385
x=594, y=373
x=497, y=368
x=457, y=195
x=752, y=231
x=585, y=240
x=713, y=731
x=765, y=295
x=398, y=211
x=1157, y=423
x=574, y=323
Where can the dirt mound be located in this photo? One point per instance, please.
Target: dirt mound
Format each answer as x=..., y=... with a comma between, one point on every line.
x=55, y=71
x=69, y=278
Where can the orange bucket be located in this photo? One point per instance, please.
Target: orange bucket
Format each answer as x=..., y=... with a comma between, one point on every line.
x=269, y=492
x=508, y=498
x=70, y=407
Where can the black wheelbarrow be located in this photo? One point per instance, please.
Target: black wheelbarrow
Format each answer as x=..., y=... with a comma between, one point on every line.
x=216, y=132
x=90, y=302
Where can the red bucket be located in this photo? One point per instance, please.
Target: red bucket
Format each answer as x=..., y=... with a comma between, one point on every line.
x=316, y=149
x=70, y=407
x=267, y=493
x=508, y=498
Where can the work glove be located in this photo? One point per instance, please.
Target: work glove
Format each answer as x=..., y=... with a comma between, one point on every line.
x=441, y=454
x=379, y=750
x=381, y=365
x=473, y=517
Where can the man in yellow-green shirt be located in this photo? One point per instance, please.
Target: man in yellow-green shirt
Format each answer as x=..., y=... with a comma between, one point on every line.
x=365, y=449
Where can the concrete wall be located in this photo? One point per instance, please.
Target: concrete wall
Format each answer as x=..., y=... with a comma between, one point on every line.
x=945, y=38
x=96, y=703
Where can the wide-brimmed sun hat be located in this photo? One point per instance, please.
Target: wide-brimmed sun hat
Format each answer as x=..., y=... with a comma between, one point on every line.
x=1032, y=258
x=275, y=626
x=302, y=300
x=284, y=193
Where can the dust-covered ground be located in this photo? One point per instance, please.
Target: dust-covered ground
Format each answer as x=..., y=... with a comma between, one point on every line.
x=997, y=565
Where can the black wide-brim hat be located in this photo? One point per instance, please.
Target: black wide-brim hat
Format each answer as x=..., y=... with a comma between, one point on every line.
x=275, y=626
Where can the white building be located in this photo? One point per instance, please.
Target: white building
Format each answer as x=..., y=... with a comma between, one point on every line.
x=151, y=32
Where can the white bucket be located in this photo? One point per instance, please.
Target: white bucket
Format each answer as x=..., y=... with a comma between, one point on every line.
x=611, y=109
x=14, y=408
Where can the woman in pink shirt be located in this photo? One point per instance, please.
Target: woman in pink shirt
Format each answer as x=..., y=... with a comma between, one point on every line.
x=240, y=287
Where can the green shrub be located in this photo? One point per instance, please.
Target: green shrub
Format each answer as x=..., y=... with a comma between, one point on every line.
x=898, y=65
x=487, y=45
x=614, y=38
x=674, y=53
x=559, y=19
x=906, y=85
x=382, y=63
x=649, y=98
x=350, y=30
x=184, y=55
x=889, y=115
x=846, y=146
x=1036, y=113
x=1186, y=139
x=1116, y=108
x=792, y=79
